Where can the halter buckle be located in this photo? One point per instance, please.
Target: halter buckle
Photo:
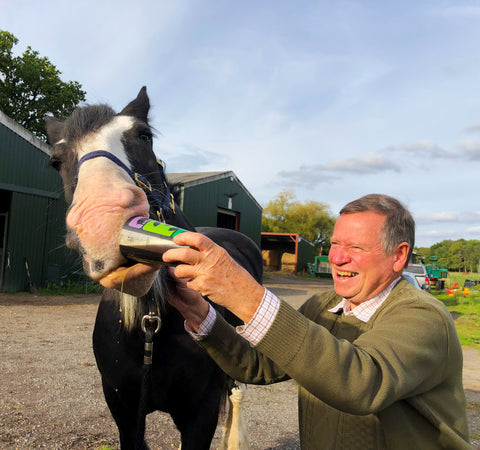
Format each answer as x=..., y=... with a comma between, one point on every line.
x=141, y=184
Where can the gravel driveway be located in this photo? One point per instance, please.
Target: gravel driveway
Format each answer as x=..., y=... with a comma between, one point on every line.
x=51, y=394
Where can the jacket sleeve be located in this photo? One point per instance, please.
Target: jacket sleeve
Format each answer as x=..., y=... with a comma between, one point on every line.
x=238, y=358
x=410, y=348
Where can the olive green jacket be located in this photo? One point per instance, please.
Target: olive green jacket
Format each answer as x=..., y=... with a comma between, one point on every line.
x=392, y=383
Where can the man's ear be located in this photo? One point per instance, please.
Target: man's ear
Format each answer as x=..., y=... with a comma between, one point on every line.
x=401, y=255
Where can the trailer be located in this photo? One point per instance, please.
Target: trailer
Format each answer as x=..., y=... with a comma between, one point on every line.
x=320, y=267
x=436, y=273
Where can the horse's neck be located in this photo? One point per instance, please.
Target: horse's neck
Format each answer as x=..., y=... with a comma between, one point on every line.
x=179, y=219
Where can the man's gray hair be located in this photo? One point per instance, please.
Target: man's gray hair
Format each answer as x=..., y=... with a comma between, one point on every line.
x=399, y=224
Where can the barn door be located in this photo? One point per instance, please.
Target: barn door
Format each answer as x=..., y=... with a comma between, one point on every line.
x=3, y=245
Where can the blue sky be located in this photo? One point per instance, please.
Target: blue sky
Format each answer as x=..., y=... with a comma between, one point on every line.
x=333, y=99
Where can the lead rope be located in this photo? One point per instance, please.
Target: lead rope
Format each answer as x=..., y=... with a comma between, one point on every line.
x=151, y=324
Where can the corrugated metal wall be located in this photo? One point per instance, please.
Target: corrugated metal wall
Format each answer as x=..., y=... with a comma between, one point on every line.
x=24, y=167
x=36, y=212
x=216, y=193
x=305, y=254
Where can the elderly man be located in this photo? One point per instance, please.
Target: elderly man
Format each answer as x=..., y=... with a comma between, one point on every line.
x=378, y=362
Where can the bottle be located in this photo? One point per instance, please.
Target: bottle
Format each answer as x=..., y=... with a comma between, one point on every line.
x=145, y=240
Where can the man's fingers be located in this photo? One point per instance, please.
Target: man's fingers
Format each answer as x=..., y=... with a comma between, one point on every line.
x=184, y=271
x=194, y=240
x=184, y=255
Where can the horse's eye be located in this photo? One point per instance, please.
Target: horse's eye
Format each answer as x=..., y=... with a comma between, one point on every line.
x=145, y=137
x=56, y=163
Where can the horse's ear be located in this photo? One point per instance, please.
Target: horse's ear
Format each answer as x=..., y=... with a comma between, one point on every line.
x=54, y=129
x=139, y=107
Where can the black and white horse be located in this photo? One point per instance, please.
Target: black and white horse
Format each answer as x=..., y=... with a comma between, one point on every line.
x=110, y=174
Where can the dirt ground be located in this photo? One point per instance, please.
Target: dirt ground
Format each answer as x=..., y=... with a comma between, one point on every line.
x=51, y=395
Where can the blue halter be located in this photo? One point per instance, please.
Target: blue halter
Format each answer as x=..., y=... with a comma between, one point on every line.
x=163, y=202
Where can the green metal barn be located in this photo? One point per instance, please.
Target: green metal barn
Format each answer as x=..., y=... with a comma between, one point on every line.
x=32, y=211
x=217, y=199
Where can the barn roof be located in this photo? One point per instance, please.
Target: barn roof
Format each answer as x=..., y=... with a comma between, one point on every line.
x=24, y=133
x=189, y=179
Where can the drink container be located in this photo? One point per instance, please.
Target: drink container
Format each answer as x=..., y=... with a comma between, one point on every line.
x=145, y=240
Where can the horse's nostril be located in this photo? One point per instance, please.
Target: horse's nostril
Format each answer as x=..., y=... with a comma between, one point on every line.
x=97, y=265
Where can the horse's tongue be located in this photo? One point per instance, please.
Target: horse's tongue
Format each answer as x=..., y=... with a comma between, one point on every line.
x=135, y=280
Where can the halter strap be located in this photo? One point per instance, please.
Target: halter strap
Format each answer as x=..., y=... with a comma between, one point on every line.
x=163, y=202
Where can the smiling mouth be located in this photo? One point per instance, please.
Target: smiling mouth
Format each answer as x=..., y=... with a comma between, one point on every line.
x=344, y=275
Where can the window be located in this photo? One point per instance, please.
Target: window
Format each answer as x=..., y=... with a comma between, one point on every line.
x=228, y=219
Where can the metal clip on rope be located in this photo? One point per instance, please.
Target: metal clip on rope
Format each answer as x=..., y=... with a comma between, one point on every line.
x=151, y=317
x=150, y=332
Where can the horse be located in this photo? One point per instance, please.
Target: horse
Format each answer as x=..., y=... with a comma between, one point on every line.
x=110, y=174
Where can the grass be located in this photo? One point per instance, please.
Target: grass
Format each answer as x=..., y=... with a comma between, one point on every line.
x=464, y=306
x=71, y=288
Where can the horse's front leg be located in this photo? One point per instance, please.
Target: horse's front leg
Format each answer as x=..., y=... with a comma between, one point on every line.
x=124, y=412
x=197, y=423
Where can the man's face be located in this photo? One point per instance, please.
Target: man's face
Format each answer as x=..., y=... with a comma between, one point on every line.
x=360, y=268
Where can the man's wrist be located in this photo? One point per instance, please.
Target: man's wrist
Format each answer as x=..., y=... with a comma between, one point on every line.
x=195, y=317
x=205, y=327
x=257, y=327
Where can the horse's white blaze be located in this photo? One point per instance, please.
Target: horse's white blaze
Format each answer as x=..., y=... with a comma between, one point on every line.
x=108, y=138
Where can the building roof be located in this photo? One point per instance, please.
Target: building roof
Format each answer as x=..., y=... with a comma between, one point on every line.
x=189, y=179
x=284, y=241
x=24, y=133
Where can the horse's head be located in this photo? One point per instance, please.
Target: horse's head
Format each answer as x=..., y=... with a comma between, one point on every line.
x=108, y=167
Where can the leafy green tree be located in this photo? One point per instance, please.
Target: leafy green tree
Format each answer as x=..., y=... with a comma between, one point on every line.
x=459, y=256
x=312, y=220
x=31, y=88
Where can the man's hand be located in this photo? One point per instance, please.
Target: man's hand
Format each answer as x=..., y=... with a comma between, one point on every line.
x=191, y=305
x=211, y=271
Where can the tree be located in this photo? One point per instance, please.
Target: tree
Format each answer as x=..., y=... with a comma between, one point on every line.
x=311, y=220
x=31, y=88
x=459, y=256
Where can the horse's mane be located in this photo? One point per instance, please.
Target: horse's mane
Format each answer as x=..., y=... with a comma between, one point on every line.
x=87, y=119
x=155, y=300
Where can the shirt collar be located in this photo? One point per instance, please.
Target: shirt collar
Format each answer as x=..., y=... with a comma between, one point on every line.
x=365, y=310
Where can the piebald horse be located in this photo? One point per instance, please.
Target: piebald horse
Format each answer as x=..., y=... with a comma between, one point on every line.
x=110, y=174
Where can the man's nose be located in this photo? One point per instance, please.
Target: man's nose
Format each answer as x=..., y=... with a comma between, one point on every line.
x=338, y=255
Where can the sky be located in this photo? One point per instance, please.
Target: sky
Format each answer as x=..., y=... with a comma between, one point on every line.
x=330, y=99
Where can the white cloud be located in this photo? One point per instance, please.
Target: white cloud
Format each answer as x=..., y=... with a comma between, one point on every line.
x=444, y=216
x=424, y=148
x=473, y=230
x=336, y=169
x=451, y=216
x=470, y=148
x=473, y=128
x=189, y=158
x=369, y=163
